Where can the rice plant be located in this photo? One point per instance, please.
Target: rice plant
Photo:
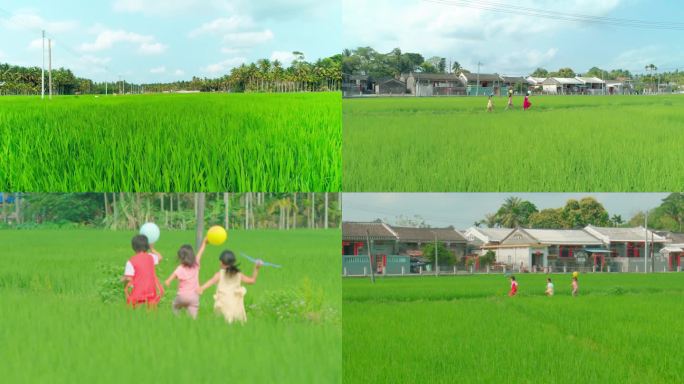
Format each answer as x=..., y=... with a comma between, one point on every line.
x=564, y=143
x=68, y=321
x=620, y=329
x=182, y=143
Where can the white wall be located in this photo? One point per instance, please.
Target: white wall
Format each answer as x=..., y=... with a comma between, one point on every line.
x=513, y=256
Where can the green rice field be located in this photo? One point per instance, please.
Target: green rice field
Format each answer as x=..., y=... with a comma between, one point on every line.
x=622, y=328
x=63, y=320
x=563, y=143
x=182, y=143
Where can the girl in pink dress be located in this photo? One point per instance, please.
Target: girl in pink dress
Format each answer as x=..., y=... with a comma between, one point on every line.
x=187, y=274
x=526, y=103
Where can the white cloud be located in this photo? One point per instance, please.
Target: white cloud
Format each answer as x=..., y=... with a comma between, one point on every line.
x=152, y=48
x=161, y=69
x=156, y=7
x=247, y=39
x=27, y=20
x=231, y=51
x=462, y=33
x=179, y=72
x=106, y=39
x=225, y=65
x=285, y=57
x=37, y=44
x=223, y=25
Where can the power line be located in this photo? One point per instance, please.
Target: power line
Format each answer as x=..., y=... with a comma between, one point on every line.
x=559, y=16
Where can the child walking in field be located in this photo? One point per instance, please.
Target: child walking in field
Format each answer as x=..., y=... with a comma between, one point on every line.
x=526, y=103
x=230, y=294
x=549, y=287
x=187, y=274
x=514, y=287
x=142, y=285
x=575, y=286
x=490, y=104
x=510, y=99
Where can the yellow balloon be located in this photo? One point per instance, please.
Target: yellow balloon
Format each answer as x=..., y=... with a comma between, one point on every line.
x=575, y=274
x=216, y=235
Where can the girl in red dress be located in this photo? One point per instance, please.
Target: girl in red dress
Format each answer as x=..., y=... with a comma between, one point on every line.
x=526, y=103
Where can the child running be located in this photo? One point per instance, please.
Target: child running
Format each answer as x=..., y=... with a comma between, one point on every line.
x=575, y=286
x=142, y=285
x=526, y=103
x=549, y=287
x=510, y=99
x=514, y=287
x=490, y=104
x=230, y=294
x=187, y=274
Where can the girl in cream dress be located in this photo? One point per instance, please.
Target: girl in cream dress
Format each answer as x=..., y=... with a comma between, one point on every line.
x=230, y=294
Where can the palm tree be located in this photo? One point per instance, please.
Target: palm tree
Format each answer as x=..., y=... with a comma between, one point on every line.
x=617, y=220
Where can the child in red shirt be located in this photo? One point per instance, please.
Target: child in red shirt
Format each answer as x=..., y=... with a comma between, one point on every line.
x=514, y=287
x=142, y=285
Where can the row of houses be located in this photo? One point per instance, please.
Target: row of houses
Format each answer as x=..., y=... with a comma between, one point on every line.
x=466, y=83
x=396, y=250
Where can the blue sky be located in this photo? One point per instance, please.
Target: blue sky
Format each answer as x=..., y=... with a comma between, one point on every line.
x=517, y=44
x=462, y=209
x=164, y=40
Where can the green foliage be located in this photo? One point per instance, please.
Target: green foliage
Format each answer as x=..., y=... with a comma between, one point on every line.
x=443, y=255
x=613, y=313
x=549, y=218
x=180, y=143
x=577, y=214
x=66, y=301
x=488, y=258
x=563, y=144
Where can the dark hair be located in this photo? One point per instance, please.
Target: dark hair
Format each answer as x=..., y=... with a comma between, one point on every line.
x=228, y=259
x=548, y=279
x=186, y=255
x=513, y=278
x=140, y=243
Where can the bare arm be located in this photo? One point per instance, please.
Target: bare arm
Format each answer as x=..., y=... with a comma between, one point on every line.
x=252, y=279
x=170, y=279
x=129, y=284
x=159, y=255
x=209, y=283
x=200, y=252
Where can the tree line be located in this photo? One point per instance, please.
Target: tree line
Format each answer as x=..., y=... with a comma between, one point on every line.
x=377, y=65
x=262, y=76
x=128, y=211
x=515, y=212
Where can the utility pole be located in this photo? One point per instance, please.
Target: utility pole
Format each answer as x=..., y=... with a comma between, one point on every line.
x=477, y=89
x=50, y=66
x=370, y=257
x=42, y=71
x=646, y=241
x=436, y=256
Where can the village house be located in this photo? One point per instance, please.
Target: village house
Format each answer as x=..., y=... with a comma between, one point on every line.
x=481, y=240
x=627, y=246
x=517, y=83
x=540, y=249
x=383, y=245
x=591, y=85
x=433, y=84
x=562, y=86
x=411, y=240
x=390, y=87
x=483, y=84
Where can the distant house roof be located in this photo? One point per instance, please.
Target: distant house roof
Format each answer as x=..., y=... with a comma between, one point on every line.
x=561, y=81
x=512, y=79
x=358, y=77
x=535, y=80
x=590, y=80
x=472, y=77
x=435, y=76
x=391, y=81
x=614, y=82
x=634, y=234
x=376, y=230
x=554, y=237
x=673, y=237
x=488, y=235
x=426, y=235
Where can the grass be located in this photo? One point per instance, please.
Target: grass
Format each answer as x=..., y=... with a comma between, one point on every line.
x=623, y=328
x=564, y=143
x=182, y=143
x=55, y=328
